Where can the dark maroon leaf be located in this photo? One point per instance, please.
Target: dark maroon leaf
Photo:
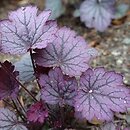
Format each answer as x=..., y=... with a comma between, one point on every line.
x=37, y=113
x=8, y=86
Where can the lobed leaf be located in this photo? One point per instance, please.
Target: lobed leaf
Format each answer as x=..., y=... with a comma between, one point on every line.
x=26, y=29
x=25, y=68
x=69, y=52
x=97, y=13
x=108, y=126
x=100, y=94
x=121, y=10
x=56, y=6
x=8, y=121
x=57, y=89
x=37, y=113
x=8, y=86
x=19, y=127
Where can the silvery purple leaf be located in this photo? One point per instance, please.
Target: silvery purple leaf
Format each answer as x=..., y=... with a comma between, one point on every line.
x=18, y=127
x=127, y=118
x=8, y=120
x=97, y=13
x=69, y=52
x=25, y=68
x=100, y=94
x=57, y=88
x=108, y=126
x=26, y=29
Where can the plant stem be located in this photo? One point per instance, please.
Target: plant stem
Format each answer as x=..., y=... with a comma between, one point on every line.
x=34, y=68
x=8, y=103
x=10, y=74
x=19, y=113
x=21, y=105
x=62, y=116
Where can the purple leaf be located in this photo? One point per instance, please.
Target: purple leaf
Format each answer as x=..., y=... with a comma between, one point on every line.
x=25, y=68
x=37, y=113
x=108, y=126
x=100, y=94
x=26, y=29
x=18, y=127
x=78, y=116
x=8, y=121
x=69, y=52
x=8, y=86
x=97, y=13
x=57, y=88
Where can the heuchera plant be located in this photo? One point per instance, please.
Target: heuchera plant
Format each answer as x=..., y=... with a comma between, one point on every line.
x=59, y=59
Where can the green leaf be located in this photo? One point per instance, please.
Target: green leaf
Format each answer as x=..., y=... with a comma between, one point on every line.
x=121, y=10
x=56, y=7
